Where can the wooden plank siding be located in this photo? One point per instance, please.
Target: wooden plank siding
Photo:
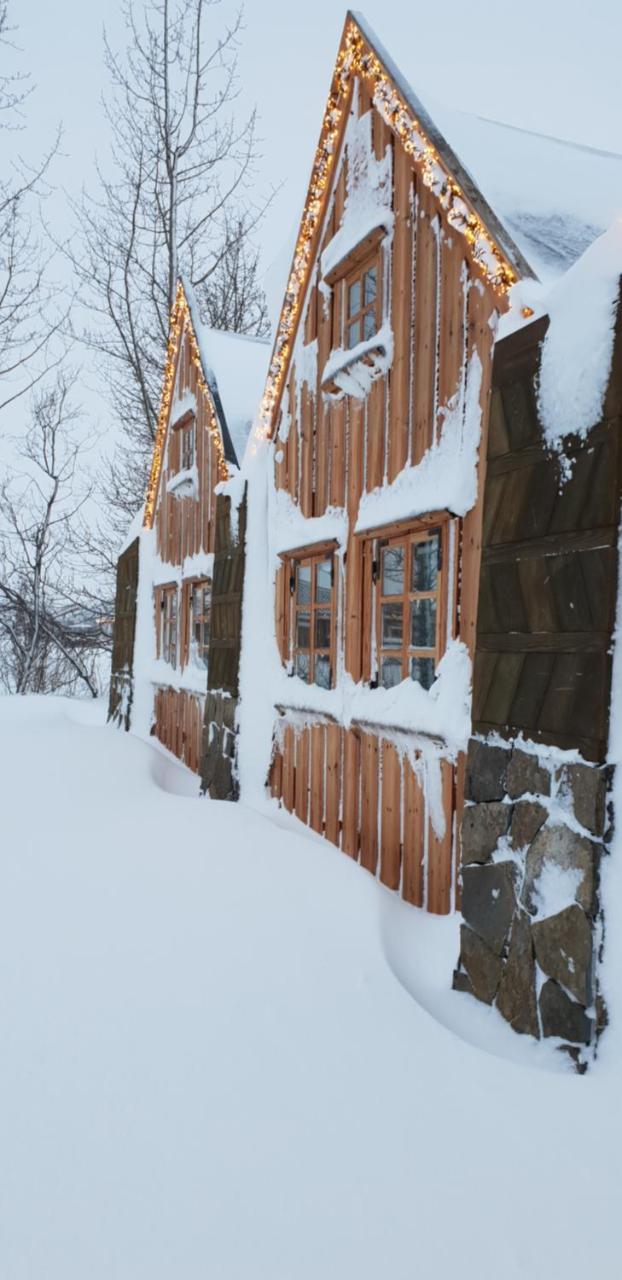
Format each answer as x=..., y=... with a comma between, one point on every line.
x=548, y=585
x=362, y=792
x=185, y=527
x=357, y=789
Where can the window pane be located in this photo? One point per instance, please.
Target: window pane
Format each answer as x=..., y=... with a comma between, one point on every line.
x=322, y=672
x=370, y=286
x=369, y=324
x=354, y=334
x=302, y=666
x=393, y=571
x=322, y=631
x=303, y=631
x=422, y=669
x=425, y=564
x=390, y=672
x=304, y=583
x=323, y=584
x=354, y=298
x=392, y=626
x=423, y=624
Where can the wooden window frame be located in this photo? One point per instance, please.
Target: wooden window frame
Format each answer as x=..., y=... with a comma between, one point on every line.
x=407, y=536
x=292, y=561
x=186, y=432
x=189, y=589
x=165, y=595
x=356, y=274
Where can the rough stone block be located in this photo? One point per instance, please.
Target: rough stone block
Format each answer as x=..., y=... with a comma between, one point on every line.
x=485, y=771
x=482, y=826
x=562, y=1017
x=568, y=851
x=524, y=774
x=563, y=945
x=489, y=900
x=461, y=982
x=516, y=999
x=527, y=818
x=483, y=967
x=587, y=789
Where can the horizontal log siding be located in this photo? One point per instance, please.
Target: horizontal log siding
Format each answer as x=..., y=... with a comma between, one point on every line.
x=440, y=312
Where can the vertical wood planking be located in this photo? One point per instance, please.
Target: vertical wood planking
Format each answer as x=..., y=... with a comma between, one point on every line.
x=451, y=318
x=369, y=802
x=316, y=808
x=333, y=781
x=440, y=848
x=351, y=792
x=400, y=374
x=302, y=775
x=391, y=817
x=414, y=812
x=425, y=325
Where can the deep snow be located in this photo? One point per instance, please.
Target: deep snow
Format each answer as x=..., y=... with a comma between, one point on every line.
x=212, y=1063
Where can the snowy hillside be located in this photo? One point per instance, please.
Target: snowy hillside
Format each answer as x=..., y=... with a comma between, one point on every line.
x=210, y=1066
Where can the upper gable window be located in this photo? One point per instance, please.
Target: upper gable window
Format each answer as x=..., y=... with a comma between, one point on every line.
x=187, y=445
x=361, y=303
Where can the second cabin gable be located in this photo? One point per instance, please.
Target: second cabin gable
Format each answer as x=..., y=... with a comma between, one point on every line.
x=189, y=452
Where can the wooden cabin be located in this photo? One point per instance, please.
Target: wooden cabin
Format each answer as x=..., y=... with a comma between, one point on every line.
x=197, y=445
x=377, y=406
x=382, y=366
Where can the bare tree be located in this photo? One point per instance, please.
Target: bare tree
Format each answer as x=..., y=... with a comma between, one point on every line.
x=177, y=200
x=49, y=632
x=27, y=325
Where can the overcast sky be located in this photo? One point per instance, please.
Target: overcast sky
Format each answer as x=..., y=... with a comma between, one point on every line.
x=549, y=65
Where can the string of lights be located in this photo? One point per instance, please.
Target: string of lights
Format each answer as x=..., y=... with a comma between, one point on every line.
x=180, y=319
x=356, y=58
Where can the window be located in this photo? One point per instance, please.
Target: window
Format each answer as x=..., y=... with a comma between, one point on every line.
x=168, y=625
x=408, y=607
x=187, y=445
x=313, y=614
x=361, y=303
x=200, y=604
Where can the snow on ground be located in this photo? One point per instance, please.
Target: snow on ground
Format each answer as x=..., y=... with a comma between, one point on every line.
x=227, y=1052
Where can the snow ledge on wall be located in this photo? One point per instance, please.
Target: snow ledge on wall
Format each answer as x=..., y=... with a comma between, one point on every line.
x=578, y=346
x=446, y=476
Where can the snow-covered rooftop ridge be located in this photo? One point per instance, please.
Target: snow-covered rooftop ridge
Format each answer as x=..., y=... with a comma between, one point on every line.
x=235, y=367
x=548, y=197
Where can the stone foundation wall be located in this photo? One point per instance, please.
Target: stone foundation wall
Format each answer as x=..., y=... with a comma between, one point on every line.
x=533, y=835
x=219, y=754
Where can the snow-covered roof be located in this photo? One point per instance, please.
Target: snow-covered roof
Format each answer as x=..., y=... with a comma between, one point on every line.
x=235, y=367
x=553, y=197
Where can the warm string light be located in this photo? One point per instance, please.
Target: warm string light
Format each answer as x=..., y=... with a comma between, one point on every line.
x=356, y=58
x=180, y=316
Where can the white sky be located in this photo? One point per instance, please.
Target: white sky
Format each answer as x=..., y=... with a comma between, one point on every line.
x=548, y=65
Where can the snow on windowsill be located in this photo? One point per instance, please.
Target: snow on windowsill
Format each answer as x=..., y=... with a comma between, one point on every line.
x=442, y=712
x=446, y=476
x=182, y=405
x=289, y=529
x=200, y=565
x=353, y=231
x=185, y=484
x=191, y=678
x=352, y=370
